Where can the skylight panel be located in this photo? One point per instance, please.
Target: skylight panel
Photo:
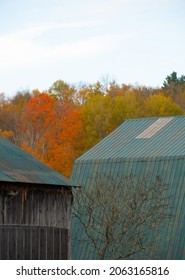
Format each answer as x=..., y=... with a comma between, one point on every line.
x=154, y=128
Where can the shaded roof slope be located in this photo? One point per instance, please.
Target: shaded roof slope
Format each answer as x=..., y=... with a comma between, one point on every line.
x=19, y=166
x=135, y=138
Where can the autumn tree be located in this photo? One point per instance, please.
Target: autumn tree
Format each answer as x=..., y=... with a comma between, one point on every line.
x=10, y=115
x=174, y=87
x=179, y=98
x=117, y=218
x=21, y=98
x=6, y=134
x=37, y=123
x=101, y=114
x=66, y=143
x=63, y=91
x=86, y=92
x=51, y=131
x=40, y=122
x=160, y=105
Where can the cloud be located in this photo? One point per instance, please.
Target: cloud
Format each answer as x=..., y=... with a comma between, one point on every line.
x=23, y=49
x=35, y=30
x=90, y=46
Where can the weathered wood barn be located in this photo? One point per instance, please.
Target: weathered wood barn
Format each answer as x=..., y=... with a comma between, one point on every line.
x=154, y=146
x=35, y=208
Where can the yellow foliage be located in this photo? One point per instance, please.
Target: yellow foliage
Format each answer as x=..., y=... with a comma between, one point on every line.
x=6, y=134
x=160, y=105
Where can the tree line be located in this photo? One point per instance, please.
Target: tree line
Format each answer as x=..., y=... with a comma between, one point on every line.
x=61, y=123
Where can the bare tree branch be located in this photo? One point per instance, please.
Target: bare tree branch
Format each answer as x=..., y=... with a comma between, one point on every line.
x=120, y=215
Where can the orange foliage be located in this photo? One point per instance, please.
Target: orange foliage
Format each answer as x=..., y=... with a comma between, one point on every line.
x=66, y=145
x=58, y=126
x=52, y=131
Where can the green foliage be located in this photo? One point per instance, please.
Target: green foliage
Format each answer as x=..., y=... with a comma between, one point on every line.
x=172, y=79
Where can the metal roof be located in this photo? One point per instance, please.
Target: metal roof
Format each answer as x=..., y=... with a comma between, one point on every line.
x=19, y=166
x=122, y=153
x=126, y=140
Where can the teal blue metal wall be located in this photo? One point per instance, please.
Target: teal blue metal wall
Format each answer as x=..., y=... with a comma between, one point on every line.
x=121, y=154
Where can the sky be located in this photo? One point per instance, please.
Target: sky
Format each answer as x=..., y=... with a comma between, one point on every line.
x=136, y=42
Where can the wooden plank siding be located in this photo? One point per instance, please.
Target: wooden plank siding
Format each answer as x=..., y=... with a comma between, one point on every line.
x=39, y=208
x=35, y=223
x=33, y=243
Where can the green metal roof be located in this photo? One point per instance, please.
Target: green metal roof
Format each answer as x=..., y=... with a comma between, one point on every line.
x=153, y=146
x=19, y=166
x=124, y=142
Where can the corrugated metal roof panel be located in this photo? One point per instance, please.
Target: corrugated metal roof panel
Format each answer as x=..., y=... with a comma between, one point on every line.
x=19, y=166
x=123, y=142
x=154, y=128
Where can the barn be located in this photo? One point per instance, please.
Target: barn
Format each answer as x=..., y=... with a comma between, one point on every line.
x=35, y=208
x=154, y=146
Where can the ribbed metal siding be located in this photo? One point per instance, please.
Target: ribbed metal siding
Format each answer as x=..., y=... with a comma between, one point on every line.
x=171, y=241
x=33, y=243
x=121, y=154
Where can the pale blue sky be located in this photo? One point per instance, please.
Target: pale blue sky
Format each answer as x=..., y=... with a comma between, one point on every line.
x=131, y=41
